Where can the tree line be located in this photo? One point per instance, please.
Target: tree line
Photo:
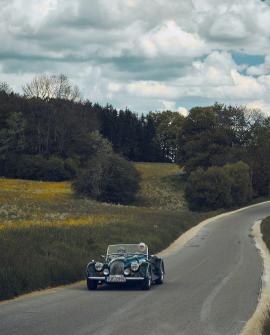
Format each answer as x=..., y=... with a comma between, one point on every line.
x=50, y=133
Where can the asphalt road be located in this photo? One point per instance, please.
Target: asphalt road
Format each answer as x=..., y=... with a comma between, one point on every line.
x=212, y=288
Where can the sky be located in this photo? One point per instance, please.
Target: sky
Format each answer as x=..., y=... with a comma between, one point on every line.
x=145, y=55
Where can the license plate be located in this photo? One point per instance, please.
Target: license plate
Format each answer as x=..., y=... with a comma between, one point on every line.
x=116, y=279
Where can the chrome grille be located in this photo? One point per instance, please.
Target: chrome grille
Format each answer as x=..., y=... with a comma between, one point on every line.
x=117, y=268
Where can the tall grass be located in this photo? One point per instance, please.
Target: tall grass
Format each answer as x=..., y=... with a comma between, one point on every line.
x=47, y=235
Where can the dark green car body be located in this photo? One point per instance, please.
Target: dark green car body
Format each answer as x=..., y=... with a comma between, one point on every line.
x=126, y=263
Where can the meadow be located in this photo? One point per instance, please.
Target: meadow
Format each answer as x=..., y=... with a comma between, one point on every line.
x=47, y=234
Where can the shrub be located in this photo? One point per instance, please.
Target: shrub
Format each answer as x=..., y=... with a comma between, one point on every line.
x=54, y=169
x=210, y=189
x=241, y=187
x=41, y=168
x=219, y=187
x=108, y=178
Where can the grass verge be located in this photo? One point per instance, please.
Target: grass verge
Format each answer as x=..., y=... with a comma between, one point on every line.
x=265, y=228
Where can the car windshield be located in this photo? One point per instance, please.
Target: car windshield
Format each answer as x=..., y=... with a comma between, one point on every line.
x=123, y=249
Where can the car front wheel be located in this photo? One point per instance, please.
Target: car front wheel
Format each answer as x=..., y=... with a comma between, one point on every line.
x=147, y=282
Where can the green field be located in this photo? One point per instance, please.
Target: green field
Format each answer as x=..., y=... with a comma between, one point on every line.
x=47, y=235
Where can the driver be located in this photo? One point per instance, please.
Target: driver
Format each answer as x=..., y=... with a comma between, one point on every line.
x=142, y=247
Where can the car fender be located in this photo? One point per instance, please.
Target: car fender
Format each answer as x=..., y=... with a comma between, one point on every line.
x=144, y=268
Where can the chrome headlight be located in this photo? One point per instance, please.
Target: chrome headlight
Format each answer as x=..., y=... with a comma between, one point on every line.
x=98, y=266
x=135, y=266
x=127, y=272
x=106, y=272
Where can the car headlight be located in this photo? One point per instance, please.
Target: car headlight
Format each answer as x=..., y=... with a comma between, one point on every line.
x=127, y=272
x=135, y=266
x=106, y=272
x=98, y=266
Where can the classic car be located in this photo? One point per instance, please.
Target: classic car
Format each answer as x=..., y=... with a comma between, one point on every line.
x=126, y=263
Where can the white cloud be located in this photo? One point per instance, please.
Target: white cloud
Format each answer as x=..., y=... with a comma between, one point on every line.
x=228, y=27
x=168, y=105
x=183, y=111
x=145, y=54
x=169, y=39
x=217, y=78
x=259, y=105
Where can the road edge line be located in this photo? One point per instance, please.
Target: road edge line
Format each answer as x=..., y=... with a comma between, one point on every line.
x=255, y=324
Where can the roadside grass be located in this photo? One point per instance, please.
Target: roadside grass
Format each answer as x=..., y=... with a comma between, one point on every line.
x=48, y=235
x=265, y=228
x=266, y=231
x=266, y=327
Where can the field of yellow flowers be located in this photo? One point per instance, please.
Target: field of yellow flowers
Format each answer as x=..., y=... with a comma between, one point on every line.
x=47, y=234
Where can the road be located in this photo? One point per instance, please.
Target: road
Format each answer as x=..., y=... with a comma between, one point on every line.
x=212, y=288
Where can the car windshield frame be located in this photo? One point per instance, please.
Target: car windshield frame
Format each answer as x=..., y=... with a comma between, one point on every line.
x=125, y=247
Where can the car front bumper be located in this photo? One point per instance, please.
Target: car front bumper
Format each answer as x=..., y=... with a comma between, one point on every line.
x=128, y=279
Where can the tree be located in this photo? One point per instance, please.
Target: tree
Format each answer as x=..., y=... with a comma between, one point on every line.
x=4, y=87
x=108, y=178
x=48, y=87
x=258, y=156
x=92, y=145
x=168, y=126
x=212, y=136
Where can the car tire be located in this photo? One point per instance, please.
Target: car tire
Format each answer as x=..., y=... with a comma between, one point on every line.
x=92, y=284
x=147, y=282
x=160, y=280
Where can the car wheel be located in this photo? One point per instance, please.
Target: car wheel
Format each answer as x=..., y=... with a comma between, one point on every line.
x=160, y=280
x=146, y=285
x=91, y=284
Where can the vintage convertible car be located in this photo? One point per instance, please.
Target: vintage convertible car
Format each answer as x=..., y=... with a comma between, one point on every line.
x=125, y=263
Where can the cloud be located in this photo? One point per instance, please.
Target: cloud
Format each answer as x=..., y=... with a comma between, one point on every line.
x=259, y=105
x=141, y=53
x=260, y=69
x=169, y=39
x=216, y=78
x=183, y=111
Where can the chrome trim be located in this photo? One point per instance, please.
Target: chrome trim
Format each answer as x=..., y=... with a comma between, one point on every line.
x=145, y=254
x=97, y=278
x=135, y=278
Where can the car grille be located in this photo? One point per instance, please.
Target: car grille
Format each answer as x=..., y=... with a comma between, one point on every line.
x=117, y=268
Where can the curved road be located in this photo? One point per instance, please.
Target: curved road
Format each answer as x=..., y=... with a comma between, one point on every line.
x=212, y=288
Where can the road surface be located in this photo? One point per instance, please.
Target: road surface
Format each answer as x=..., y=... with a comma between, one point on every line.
x=212, y=288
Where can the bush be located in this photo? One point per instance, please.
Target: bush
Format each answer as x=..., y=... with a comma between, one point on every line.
x=208, y=189
x=241, y=187
x=219, y=187
x=108, y=178
x=41, y=168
